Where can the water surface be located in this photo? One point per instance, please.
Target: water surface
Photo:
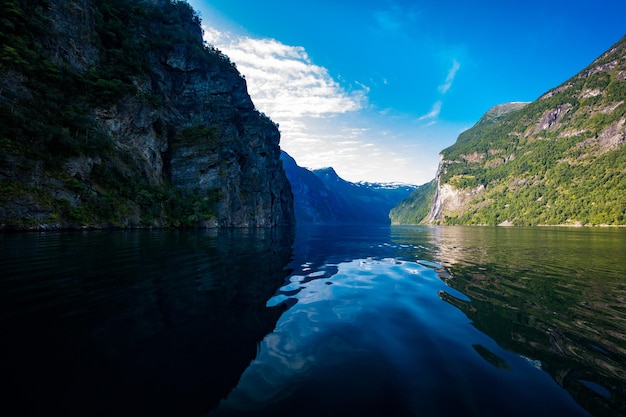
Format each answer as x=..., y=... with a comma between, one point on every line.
x=133, y=323
x=368, y=320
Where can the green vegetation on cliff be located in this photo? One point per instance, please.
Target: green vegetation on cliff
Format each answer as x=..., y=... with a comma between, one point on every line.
x=416, y=207
x=95, y=96
x=53, y=119
x=558, y=160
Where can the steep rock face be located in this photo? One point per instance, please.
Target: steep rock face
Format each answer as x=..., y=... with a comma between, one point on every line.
x=449, y=199
x=160, y=129
x=75, y=41
x=233, y=149
x=558, y=160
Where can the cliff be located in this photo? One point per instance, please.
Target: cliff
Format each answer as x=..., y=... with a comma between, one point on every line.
x=322, y=197
x=559, y=160
x=115, y=113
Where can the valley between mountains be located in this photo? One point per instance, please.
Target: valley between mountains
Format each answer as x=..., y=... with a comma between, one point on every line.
x=116, y=114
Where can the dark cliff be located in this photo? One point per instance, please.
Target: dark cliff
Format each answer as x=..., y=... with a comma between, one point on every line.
x=115, y=113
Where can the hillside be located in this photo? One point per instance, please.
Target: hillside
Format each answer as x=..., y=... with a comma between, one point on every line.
x=322, y=197
x=114, y=113
x=416, y=207
x=558, y=160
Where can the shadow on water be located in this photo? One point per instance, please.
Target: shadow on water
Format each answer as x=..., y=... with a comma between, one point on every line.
x=555, y=296
x=133, y=323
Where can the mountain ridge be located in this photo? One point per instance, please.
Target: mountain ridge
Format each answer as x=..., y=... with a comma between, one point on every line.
x=559, y=160
x=321, y=196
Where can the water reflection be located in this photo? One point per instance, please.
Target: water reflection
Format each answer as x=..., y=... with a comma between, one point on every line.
x=434, y=321
x=556, y=296
x=134, y=323
x=348, y=320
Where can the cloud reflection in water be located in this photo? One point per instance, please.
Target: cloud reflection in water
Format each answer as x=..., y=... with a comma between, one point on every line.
x=376, y=336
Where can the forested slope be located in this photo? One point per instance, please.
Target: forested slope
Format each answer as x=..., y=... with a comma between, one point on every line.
x=115, y=113
x=558, y=160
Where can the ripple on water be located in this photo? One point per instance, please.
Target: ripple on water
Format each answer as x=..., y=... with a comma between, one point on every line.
x=383, y=333
x=375, y=308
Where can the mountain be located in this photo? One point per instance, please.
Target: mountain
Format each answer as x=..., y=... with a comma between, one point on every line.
x=115, y=113
x=416, y=207
x=558, y=160
x=322, y=197
x=313, y=202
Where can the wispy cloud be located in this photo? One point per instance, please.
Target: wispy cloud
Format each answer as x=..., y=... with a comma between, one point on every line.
x=443, y=88
x=283, y=81
x=395, y=19
x=322, y=123
x=434, y=111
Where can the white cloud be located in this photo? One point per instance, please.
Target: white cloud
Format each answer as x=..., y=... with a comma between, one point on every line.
x=443, y=88
x=395, y=19
x=434, y=111
x=323, y=124
x=283, y=81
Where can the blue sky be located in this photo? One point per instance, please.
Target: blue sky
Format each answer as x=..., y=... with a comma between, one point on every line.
x=377, y=88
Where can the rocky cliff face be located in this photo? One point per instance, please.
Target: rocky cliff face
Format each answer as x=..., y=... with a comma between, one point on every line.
x=558, y=160
x=150, y=124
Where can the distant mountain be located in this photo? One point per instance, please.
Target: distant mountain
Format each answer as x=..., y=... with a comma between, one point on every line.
x=313, y=203
x=558, y=160
x=322, y=197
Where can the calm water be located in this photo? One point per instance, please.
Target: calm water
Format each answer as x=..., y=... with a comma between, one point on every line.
x=331, y=321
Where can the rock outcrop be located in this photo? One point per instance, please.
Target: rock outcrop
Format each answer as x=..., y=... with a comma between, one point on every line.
x=153, y=128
